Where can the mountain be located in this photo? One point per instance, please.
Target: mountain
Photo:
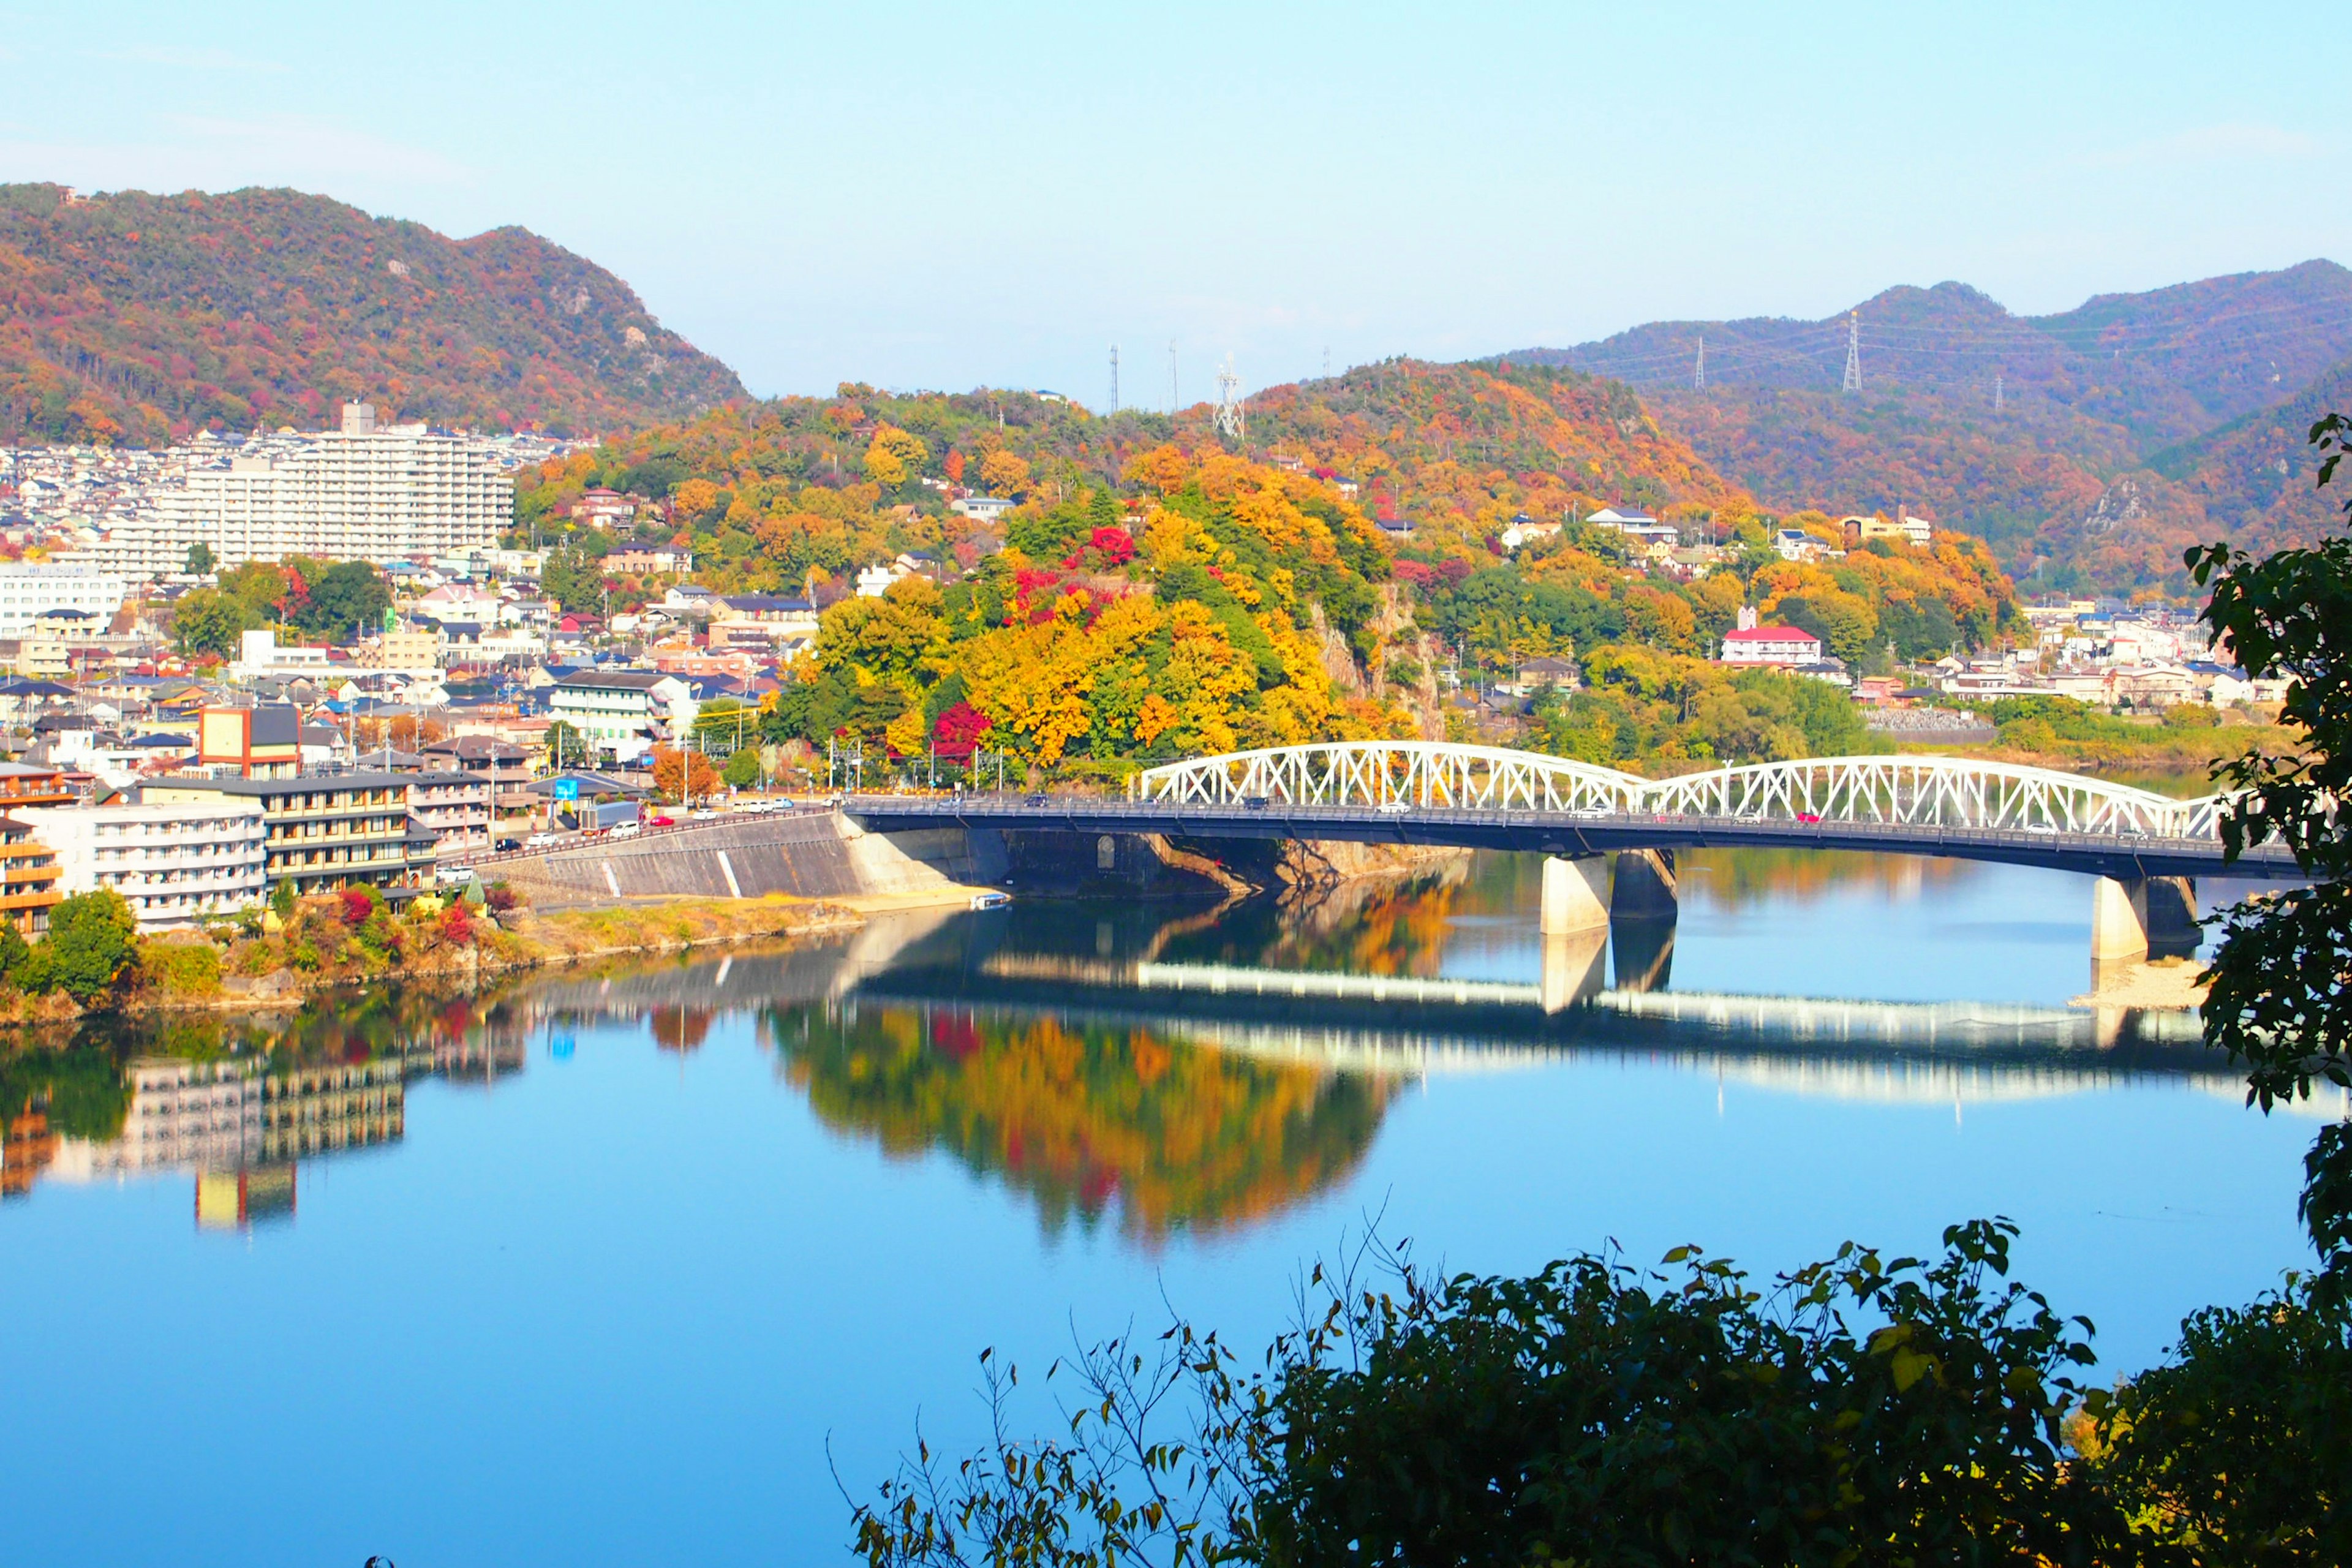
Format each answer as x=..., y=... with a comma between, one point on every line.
x=139, y=318
x=2088, y=446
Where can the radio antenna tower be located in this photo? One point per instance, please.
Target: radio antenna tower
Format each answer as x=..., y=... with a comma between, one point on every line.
x=1114, y=378
x=1853, y=350
x=1229, y=403
x=1698, y=376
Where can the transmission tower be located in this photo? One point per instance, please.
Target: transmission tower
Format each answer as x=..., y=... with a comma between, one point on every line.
x=1853, y=350
x=1229, y=403
x=1326, y=362
x=1996, y=394
x=1171, y=377
x=1114, y=378
x=1698, y=376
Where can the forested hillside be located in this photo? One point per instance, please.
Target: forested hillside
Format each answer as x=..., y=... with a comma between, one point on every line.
x=2088, y=446
x=1162, y=591
x=134, y=318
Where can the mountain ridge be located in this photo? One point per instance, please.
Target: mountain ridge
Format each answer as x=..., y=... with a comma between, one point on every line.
x=139, y=318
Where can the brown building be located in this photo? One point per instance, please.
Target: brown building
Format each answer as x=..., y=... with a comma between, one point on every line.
x=29, y=871
x=264, y=743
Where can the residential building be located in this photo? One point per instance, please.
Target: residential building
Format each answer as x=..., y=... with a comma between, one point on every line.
x=1636, y=525
x=29, y=591
x=616, y=709
x=359, y=492
x=982, y=509
x=259, y=742
x=767, y=618
x=259, y=657
x=601, y=508
x=28, y=876
x=416, y=648
x=640, y=563
x=1771, y=645
x=456, y=808
x=320, y=831
x=173, y=864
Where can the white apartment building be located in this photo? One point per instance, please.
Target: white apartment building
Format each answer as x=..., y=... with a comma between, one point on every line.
x=30, y=590
x=614, y=709
x=173, y=864
x=358, y=493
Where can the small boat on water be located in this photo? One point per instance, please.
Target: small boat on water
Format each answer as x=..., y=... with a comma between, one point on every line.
x=990, y=899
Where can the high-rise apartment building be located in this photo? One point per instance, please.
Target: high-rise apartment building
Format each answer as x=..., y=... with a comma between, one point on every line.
x=362, y=492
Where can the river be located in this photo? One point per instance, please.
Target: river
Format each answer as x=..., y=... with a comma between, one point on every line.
x=622, y=1267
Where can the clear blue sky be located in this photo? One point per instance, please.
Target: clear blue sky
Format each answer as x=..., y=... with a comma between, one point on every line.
x=935, y=196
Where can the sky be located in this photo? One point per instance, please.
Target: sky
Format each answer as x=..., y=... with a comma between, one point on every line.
x=920, y=195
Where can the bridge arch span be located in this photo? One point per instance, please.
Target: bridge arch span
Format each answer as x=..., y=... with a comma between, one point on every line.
x=1906, y=791
x=1387, y=772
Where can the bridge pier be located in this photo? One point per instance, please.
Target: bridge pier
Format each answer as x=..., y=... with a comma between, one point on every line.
x=1642, y=888
x=2131, y=918
x=1574, y=895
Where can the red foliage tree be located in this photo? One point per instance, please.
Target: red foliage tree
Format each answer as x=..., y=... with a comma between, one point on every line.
x=957, y=730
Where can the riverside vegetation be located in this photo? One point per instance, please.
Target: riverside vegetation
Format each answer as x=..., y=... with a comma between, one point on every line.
x=1862, y=1409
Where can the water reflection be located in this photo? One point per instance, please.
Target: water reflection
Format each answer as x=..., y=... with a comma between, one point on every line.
x=1085, y=1116
x=236, y=1102
x=1160, y=1071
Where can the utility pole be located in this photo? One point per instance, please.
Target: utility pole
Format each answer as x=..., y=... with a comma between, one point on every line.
x=1853, y=350
x=1114, y=378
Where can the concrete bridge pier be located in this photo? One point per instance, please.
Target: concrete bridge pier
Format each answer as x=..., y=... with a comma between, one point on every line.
x=1642, y=886
x=2130, y=919
x=1575, y=895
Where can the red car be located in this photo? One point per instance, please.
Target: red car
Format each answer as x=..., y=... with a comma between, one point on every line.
x=1807, y=816
x=661, y=822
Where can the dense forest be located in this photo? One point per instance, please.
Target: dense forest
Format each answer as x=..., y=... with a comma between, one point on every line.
x=134, y=318
x=1157, y=590
x=2090, y=446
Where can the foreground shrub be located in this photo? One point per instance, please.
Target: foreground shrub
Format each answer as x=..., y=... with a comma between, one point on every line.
x=1862, y=1411
x=2239, y=1450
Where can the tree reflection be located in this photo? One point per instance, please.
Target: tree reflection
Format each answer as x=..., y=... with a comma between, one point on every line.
x=1086, y=1116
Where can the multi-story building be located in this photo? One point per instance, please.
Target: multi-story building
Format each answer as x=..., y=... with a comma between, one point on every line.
x=358, y=493
x=30, y=591
x=321, y=832
x=30, y=872
x=615, y=710
x=455, y=807
x=173, y=864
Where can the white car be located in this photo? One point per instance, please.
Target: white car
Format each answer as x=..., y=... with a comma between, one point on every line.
x=541, y=840
x=626, y=829
x=1395, y=807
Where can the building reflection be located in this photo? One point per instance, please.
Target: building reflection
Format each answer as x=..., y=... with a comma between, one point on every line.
x=241, y=1105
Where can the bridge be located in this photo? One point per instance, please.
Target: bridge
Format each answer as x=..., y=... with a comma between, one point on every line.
x=2142, y=848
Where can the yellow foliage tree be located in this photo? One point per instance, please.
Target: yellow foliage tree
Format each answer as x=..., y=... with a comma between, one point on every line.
x=1004, y=474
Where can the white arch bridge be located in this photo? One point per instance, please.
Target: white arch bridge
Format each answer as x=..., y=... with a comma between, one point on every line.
x=1431, y=791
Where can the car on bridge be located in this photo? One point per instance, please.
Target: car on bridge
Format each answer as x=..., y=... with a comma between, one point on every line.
x=1394, y=807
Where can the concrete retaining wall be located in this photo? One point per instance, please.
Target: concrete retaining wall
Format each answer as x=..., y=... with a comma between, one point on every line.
x=815, y=856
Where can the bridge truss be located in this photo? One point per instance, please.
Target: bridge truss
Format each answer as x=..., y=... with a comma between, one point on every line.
x=1925, y=791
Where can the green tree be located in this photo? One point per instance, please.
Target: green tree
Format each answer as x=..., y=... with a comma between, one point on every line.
x=742, y=769
x=2281, y=973
x=92, y=939
x=200, y=558
x=208, y=621
x=344, y=598
x=566, y=746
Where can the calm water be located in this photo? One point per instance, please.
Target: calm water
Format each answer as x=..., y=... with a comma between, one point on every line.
x=597, y=1271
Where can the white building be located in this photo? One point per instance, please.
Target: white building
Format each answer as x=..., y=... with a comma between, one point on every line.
x=615, y=710
x=358, y=493
x=1771, y=645
x=259, y=655
x=172, y=864
x=30, y=590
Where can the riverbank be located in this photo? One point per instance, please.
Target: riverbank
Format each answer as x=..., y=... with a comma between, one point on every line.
x=322, y=948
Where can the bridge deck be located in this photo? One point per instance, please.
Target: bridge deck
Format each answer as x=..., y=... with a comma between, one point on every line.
x=2121, y=856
